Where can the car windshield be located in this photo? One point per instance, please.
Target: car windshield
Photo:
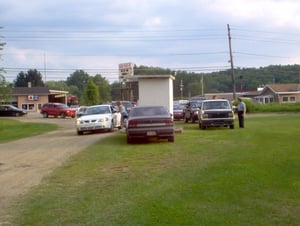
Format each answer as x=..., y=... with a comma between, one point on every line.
x=195, y=104
x=62, y=106
x=98, y=110
x=216, y=105
x=178, y=107
x=149, y=111
x=127, y=104
x=82, y=109
x=13, y=107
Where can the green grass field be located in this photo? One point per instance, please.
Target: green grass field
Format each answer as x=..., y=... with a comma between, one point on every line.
x=11, y=129
x=216, y=176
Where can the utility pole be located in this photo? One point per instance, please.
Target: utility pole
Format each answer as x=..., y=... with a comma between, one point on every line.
x=231, y=64
x=45, y=66
x=181, y=89
x=202, y=86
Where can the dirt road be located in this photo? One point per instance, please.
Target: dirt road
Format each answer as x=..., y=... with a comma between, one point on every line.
x=23, y=163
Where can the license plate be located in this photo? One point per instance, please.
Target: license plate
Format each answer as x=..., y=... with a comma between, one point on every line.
x=151, y=133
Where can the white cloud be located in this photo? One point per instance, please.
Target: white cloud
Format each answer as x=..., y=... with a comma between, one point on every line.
x=139, y=18
x=268, y=13
x=154, y=21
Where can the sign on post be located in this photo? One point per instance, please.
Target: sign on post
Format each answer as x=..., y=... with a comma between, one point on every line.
x=125, y=70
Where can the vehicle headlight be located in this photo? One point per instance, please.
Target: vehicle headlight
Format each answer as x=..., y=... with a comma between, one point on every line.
x=204, y=116
x=103, y=119
x=231, y=115
x=78, y=122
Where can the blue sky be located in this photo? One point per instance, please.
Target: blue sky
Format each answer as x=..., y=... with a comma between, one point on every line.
x=59, y=37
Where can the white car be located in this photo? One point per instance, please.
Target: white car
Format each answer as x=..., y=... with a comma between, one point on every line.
x=96, y=118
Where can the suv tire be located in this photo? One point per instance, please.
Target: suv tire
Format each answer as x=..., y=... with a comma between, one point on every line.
x=45, y=115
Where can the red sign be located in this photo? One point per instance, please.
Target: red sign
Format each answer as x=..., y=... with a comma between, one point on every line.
x=126, y=66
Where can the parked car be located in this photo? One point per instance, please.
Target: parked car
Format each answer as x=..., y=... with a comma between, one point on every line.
x=96, y=118
x=10, y=110
x=198, y=98
x=216, y=113
x=150, y=122
x=75, y=106
x=57, y=109
x=127, y=104
x=191, y=111
x=81, y=111
x=178, y=113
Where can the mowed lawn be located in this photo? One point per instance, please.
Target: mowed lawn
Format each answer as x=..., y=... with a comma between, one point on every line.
x=12, y=129
x=217, y=176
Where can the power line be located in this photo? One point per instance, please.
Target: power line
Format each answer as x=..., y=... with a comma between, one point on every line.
x=260, y=55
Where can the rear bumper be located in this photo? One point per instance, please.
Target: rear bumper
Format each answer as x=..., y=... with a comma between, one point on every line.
x=150, y=132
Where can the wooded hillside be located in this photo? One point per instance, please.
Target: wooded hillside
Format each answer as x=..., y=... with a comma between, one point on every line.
x=247, y=79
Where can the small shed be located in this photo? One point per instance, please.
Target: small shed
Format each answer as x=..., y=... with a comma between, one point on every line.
x=156, y=90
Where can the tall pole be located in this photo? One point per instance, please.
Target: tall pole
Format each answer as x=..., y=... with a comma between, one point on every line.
x=45, y=67
x=202, y=86
x=181, y=89
x=231, y=63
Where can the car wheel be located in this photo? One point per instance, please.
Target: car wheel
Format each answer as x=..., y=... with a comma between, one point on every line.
x=17, y=114
x=231, y=126
x=203, y=127
x=171, y=139
x=111, y=129
x=62, y=115
x=45, y=115
x=79, y=132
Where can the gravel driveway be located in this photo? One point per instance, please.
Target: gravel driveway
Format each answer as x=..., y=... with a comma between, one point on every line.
x=23, y=163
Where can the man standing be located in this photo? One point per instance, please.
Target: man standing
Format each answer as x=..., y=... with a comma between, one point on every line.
x=241, y=112
x=123, y=112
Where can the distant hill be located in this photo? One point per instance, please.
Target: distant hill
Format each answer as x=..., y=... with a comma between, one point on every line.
x=247, y=79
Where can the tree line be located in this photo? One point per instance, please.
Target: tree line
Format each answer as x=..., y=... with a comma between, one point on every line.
x=94, y=89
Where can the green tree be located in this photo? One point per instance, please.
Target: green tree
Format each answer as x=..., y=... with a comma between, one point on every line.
x=57, y=85
x=32, y=76
x=5, y=90
x=115, y=91
x=91, y=93
x=104, y=88
x=79, y=79
x=145, y=70
x=5, y=87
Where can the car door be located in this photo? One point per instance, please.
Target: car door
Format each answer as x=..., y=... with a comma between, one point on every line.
x=5, y=111
x=2, y=112
x=50, y=109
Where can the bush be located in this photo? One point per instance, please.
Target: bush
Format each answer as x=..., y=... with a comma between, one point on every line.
x=250, y=106
x=272, y=107
x=276, y=107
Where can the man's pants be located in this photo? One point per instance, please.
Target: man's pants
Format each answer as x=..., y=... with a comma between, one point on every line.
x=241, y=119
